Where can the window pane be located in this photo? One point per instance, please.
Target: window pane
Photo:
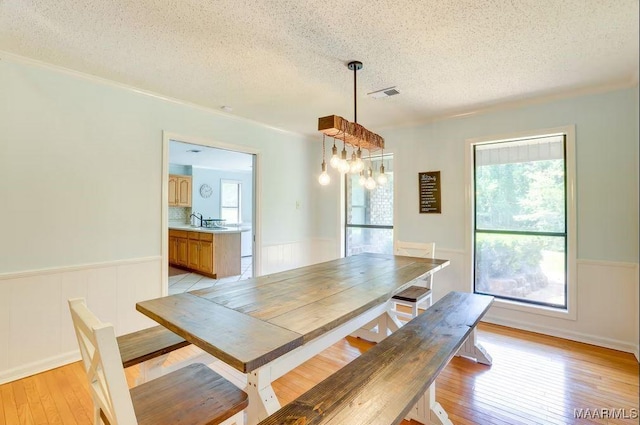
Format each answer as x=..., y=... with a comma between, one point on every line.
x=374, y=207
x=230, y=194
x=231, y=215
x=531, y=268
x=369, y=240
x=517, y=195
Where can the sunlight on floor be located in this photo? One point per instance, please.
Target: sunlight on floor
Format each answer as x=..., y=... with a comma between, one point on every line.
x=183, y=281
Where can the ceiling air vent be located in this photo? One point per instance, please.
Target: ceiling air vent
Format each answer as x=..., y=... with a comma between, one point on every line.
x=379, y=94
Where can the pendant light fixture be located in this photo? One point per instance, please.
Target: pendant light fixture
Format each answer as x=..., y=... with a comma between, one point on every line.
x=324, y=178
x=353, y=135
x=382, y=177
x=335, y=159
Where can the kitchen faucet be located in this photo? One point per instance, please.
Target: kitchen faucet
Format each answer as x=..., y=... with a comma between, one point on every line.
x=195, y=214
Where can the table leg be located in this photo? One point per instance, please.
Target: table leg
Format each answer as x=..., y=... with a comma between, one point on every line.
x=262, y=399
x=474, y=350
x=428, y=411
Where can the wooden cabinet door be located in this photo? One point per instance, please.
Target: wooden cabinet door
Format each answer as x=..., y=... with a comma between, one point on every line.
x=183, y=252
x=206, y=257
x=173, y=191
x=184, y=191
x=194, y=254
x=173, y=250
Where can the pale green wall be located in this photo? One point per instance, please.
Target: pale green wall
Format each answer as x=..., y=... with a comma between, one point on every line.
x=607, y=170
x=81, y=169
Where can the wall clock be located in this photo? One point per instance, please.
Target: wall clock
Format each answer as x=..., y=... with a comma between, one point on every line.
x=205, y=190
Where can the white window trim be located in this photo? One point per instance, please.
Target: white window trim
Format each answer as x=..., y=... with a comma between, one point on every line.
x=572, y=282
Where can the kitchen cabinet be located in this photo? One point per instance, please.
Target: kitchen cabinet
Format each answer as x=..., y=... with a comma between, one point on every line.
x=178, y=248
x=179, y=190
x=216, y=255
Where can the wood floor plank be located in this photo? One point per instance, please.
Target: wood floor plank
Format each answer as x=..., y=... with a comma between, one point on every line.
x=63, y=409
x=46, y=398
x=78, y=397
x=37, y=410
x=534, y=379
x=25, y=417
x=9, y=402
x=2, y=418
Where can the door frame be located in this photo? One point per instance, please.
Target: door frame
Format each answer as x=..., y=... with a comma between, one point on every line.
x=256, y=227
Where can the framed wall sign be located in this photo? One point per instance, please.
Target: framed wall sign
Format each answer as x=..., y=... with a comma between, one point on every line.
x=429, y=192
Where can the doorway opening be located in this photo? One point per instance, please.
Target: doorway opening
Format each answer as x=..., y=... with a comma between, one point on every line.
x=209, y=214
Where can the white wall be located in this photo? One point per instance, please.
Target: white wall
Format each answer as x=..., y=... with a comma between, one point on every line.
x=607, y=206
x=80, y=184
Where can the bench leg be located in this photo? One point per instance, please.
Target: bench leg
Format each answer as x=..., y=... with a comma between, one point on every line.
x=474, y=350
x=262, y=399
x=154, y=368
x=151, y=369
x=428, y=411
x=374, y=331
x=237, y=419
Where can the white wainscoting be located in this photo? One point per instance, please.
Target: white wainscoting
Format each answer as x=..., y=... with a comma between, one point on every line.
x=36, y=332
x=290, y=255
x=285, y=256
x=607, y=306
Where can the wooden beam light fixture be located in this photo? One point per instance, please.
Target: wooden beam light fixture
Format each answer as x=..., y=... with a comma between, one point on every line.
x=352, y=134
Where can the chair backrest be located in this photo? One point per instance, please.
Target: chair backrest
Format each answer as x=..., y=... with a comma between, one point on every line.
x=416, y=249
x=103, y=365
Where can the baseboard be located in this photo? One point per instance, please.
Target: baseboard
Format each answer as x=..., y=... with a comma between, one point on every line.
x=627, y=347
x=38, y=367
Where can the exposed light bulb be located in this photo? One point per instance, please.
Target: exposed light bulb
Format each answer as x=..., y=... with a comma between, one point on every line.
x=335, y=159
x=324, y=178
x=353, y=165
x=370, y=183
x=382, y=177
x=359, y=161
x=344, y=166
x=362, y=179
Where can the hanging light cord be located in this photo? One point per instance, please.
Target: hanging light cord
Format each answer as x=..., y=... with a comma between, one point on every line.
x=323, y=151
x=355, y=97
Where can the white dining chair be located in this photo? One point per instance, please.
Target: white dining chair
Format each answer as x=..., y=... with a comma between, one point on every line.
x=194, y=394
x=416, y=296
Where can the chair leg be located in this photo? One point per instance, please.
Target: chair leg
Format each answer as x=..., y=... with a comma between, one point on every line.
x=414, y=309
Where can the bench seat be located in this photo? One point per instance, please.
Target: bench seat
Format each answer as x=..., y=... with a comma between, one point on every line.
x=413, y=294
x=147, y=344
x=186, y=396
x=383, y=385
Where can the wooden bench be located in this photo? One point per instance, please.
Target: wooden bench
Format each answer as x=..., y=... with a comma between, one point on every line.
x=194, y=395
x=386, y=382
x=413, y=297
x=147, y=344
x=149, y=348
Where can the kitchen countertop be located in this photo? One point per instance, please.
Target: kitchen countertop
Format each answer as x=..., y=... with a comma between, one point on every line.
x=226, y=229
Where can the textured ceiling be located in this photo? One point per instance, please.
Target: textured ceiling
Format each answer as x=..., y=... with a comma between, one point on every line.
x=282, y=62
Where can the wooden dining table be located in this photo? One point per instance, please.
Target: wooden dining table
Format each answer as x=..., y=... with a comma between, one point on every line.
x=266, y=326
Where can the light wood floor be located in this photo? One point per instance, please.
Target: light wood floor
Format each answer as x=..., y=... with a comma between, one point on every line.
x=534, y=379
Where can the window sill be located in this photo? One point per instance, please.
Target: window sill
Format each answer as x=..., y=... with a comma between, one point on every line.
x=568, y=314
